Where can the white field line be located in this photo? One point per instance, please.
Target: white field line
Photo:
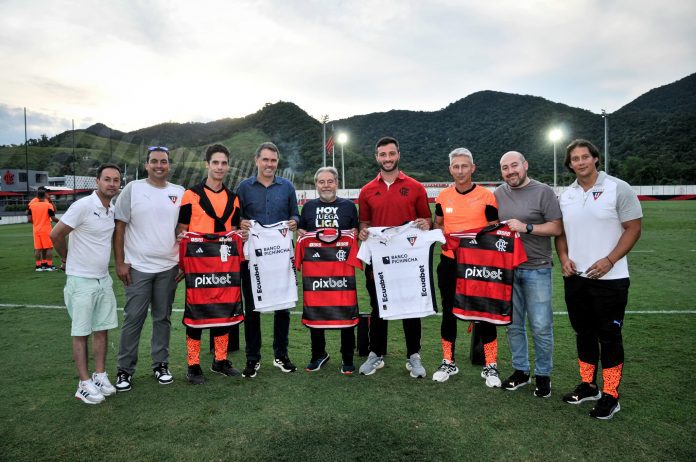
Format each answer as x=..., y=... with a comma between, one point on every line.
x=179, y=310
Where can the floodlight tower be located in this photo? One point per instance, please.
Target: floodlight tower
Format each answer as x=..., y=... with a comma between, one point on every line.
x=342, y=139
x=555, y=136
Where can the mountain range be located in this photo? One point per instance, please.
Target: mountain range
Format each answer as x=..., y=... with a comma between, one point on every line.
x=652, y=140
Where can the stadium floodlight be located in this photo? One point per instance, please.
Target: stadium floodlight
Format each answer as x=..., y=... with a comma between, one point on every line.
x=342, y=139
x=555, y=136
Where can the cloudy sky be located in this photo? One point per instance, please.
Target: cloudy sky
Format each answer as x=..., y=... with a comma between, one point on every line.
x=132, y=64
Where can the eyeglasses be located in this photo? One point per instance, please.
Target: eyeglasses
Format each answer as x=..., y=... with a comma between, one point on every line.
x=158, y=148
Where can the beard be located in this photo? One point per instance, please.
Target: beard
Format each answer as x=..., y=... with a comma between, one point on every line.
x=516, y=180
x=394, y=167
x=327, y=196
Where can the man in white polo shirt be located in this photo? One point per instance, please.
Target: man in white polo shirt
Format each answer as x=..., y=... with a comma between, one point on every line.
x=89, y=294
x=601, y=223
x=147, y=257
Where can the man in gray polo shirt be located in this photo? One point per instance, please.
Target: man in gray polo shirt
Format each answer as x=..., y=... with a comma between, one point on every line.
x=531, y=209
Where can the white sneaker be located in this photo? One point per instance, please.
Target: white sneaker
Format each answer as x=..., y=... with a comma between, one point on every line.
x=88, y=392
x=101, y=381
x=447, y=368
x=373, y=363
x=490, y=373
x=415, y=367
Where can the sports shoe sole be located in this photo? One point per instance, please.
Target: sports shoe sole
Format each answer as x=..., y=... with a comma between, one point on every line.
x=542, y=396
x=120, y=390
x=251, y=376
x=85, y=400
x=445, y=377
x=614, y=411
x=410, y=369
x=319, y=366
x=379, y=366
x=282, y=367
x=164, y=382
x=515, y=387
x=589, y=398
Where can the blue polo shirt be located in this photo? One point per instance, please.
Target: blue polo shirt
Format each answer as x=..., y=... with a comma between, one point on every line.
x=268, y=205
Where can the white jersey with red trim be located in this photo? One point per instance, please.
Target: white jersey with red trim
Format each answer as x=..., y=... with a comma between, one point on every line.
x=401, y=258
x=270, y=253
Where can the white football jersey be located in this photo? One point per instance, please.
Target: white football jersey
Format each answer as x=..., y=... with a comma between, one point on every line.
x=271, y=257
x=401, y=258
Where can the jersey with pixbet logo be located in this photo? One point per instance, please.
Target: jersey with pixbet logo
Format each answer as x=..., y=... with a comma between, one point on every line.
x=401, y=259
x=270, y=253
x=328, y=259
x=211, y=266
x=486, y=260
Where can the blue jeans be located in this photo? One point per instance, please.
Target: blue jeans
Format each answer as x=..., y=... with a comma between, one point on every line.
x=531, y=298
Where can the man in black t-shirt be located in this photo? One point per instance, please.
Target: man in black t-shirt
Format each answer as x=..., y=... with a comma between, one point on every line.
x=329, y=211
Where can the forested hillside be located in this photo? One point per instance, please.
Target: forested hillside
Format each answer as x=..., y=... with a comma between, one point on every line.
x=652, y=140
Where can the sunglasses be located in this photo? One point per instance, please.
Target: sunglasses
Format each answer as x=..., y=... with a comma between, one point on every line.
x=158, y=148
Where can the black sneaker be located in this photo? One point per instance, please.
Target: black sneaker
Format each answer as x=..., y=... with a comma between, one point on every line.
x=162, y=374
x=284, y=364
x=250, y=369
x=123, y=380
x=583, y=392
x=543, y=386
x=316, y=363
x=224, y=367
x=516, y=380
x=606, y=407
x=195, y=375
x=347, y=368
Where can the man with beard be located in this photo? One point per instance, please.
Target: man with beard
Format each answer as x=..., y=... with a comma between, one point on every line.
x=329, y=211
x=391, y=199
x=89, y=294
x=531, y=209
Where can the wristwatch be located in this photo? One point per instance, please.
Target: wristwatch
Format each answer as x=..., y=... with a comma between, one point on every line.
x=530, y=228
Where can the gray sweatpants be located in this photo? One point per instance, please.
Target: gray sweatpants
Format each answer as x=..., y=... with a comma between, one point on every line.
x=147, y=289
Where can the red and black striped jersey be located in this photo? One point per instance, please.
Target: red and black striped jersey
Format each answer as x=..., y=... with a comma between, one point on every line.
x=486, y=260
x=211, y=265
x=328, y=259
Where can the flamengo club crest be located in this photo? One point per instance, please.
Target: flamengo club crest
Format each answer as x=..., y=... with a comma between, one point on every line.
x=501, y=244
x=341, y=255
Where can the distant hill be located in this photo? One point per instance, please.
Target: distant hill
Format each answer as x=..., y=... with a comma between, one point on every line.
x=652, y=139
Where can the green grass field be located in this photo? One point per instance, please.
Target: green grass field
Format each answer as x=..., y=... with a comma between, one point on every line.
x=327, y=416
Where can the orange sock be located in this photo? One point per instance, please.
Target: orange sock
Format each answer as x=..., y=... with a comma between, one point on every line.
x=587, y=371
x=490, y=351
x=447, y=350
x=49, y=262
x=38, y=262
x=612, y=379
x=193, y=349
x=221, y=346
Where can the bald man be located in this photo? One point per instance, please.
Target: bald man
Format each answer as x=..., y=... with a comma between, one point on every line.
x=530, y=208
